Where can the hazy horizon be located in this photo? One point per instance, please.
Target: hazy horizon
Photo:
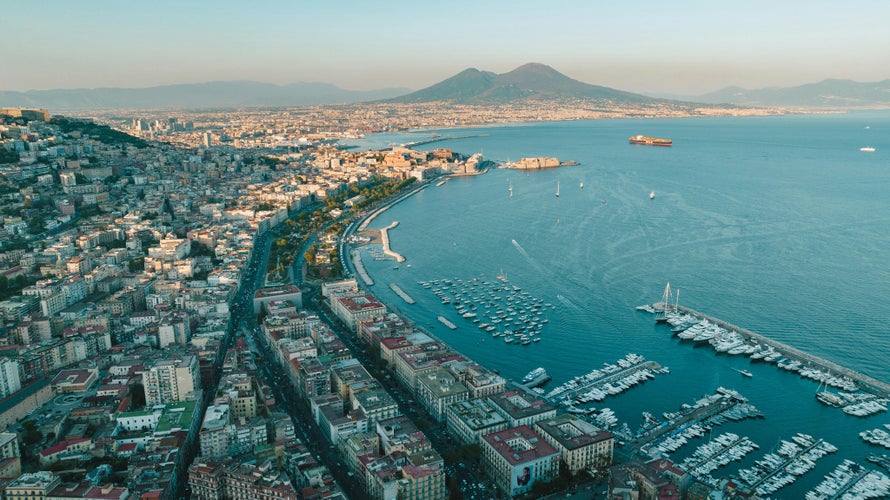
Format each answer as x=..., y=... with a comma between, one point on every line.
x=687, y=48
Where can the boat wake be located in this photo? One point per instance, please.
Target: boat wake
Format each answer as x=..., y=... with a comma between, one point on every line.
x=528, y=257
x=566, y=302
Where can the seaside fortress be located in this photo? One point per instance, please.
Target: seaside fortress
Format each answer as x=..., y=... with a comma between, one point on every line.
x=515, y=459
x=354, y=308
x=581, y=444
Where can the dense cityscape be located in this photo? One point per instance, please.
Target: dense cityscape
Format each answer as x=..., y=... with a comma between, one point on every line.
x=182, y=319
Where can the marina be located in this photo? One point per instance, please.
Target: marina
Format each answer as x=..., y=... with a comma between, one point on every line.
x=609, y=380
x=851, y=480
x=717, y=453
x=859, y=395
x=659, y=437
x=786, y=464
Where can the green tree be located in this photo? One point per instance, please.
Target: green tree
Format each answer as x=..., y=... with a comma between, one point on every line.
x=36, y=224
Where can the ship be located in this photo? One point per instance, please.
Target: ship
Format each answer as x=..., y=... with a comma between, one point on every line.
x=536, y=377
x=650, y=141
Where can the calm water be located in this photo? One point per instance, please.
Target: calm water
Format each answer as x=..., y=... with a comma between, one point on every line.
x=780, y=225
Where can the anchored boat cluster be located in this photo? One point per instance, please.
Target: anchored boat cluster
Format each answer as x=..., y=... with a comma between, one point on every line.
x=497, y=307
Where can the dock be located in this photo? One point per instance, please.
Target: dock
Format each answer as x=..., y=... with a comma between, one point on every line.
x=444, y=321
x=724, y=404
x=401, y=293
x=866, y=383
x=598, y=379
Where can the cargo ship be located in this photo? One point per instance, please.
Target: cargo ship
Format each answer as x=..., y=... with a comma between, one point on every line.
x=650, y=141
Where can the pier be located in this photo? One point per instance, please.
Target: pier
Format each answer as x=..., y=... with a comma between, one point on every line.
x=788, y=460
x=721, y=403
x=599, y=382
x=865, y=382
x=401, y=293
x=432, y=140
x=384, y=235
x=444, y=321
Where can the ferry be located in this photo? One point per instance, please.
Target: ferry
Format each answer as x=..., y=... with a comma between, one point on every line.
x=536, y=377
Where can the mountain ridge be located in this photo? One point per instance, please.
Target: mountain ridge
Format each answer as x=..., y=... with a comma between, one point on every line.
x=214, y=94
x=828, y=93
x=531, y=81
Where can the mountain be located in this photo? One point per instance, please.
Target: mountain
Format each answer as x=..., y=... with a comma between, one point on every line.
x=228, y=94
x=528, y=82
x=825, y=94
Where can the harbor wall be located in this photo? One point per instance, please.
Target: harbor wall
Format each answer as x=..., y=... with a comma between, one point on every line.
x=867, y=383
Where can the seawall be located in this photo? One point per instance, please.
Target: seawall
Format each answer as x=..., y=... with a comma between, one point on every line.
x=867, y=383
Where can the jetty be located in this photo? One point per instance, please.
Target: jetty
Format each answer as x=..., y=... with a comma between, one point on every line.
x=632, y=370
x=384, y=236
x=401, y=293
x=444, y=321
x=360, y=268
x=866, y=383
x=724, y=404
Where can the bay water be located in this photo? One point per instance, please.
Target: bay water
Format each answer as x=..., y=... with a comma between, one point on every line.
x=780, y=225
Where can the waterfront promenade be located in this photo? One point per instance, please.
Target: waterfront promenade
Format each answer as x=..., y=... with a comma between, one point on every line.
x=869, y=384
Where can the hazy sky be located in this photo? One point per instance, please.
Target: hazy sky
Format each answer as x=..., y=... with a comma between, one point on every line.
x=686, y=47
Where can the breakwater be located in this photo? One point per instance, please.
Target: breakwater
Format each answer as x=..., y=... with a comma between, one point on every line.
x=384, y=236
x=360, y=268
x=866, y=383
x=401, y=293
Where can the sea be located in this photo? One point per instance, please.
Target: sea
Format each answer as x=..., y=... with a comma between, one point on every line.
x=778, y=224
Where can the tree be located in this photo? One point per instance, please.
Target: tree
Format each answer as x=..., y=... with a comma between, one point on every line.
x=36, y=225
x=32, y=434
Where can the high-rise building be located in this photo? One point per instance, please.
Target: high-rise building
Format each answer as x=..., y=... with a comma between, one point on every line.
x=10, y=381
x=207, y=139
x=171, y=380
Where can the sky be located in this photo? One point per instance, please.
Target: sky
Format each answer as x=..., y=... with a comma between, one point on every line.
x=681, y=47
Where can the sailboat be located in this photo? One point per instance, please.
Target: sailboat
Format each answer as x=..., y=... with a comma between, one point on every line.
x=665, y=305
x=557, y=189
x=510, y=189
x=652, y=195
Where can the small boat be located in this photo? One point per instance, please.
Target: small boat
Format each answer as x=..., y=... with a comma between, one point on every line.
x=866, y=149
x=652, y=195
x=581, y=186
x=744, y=372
